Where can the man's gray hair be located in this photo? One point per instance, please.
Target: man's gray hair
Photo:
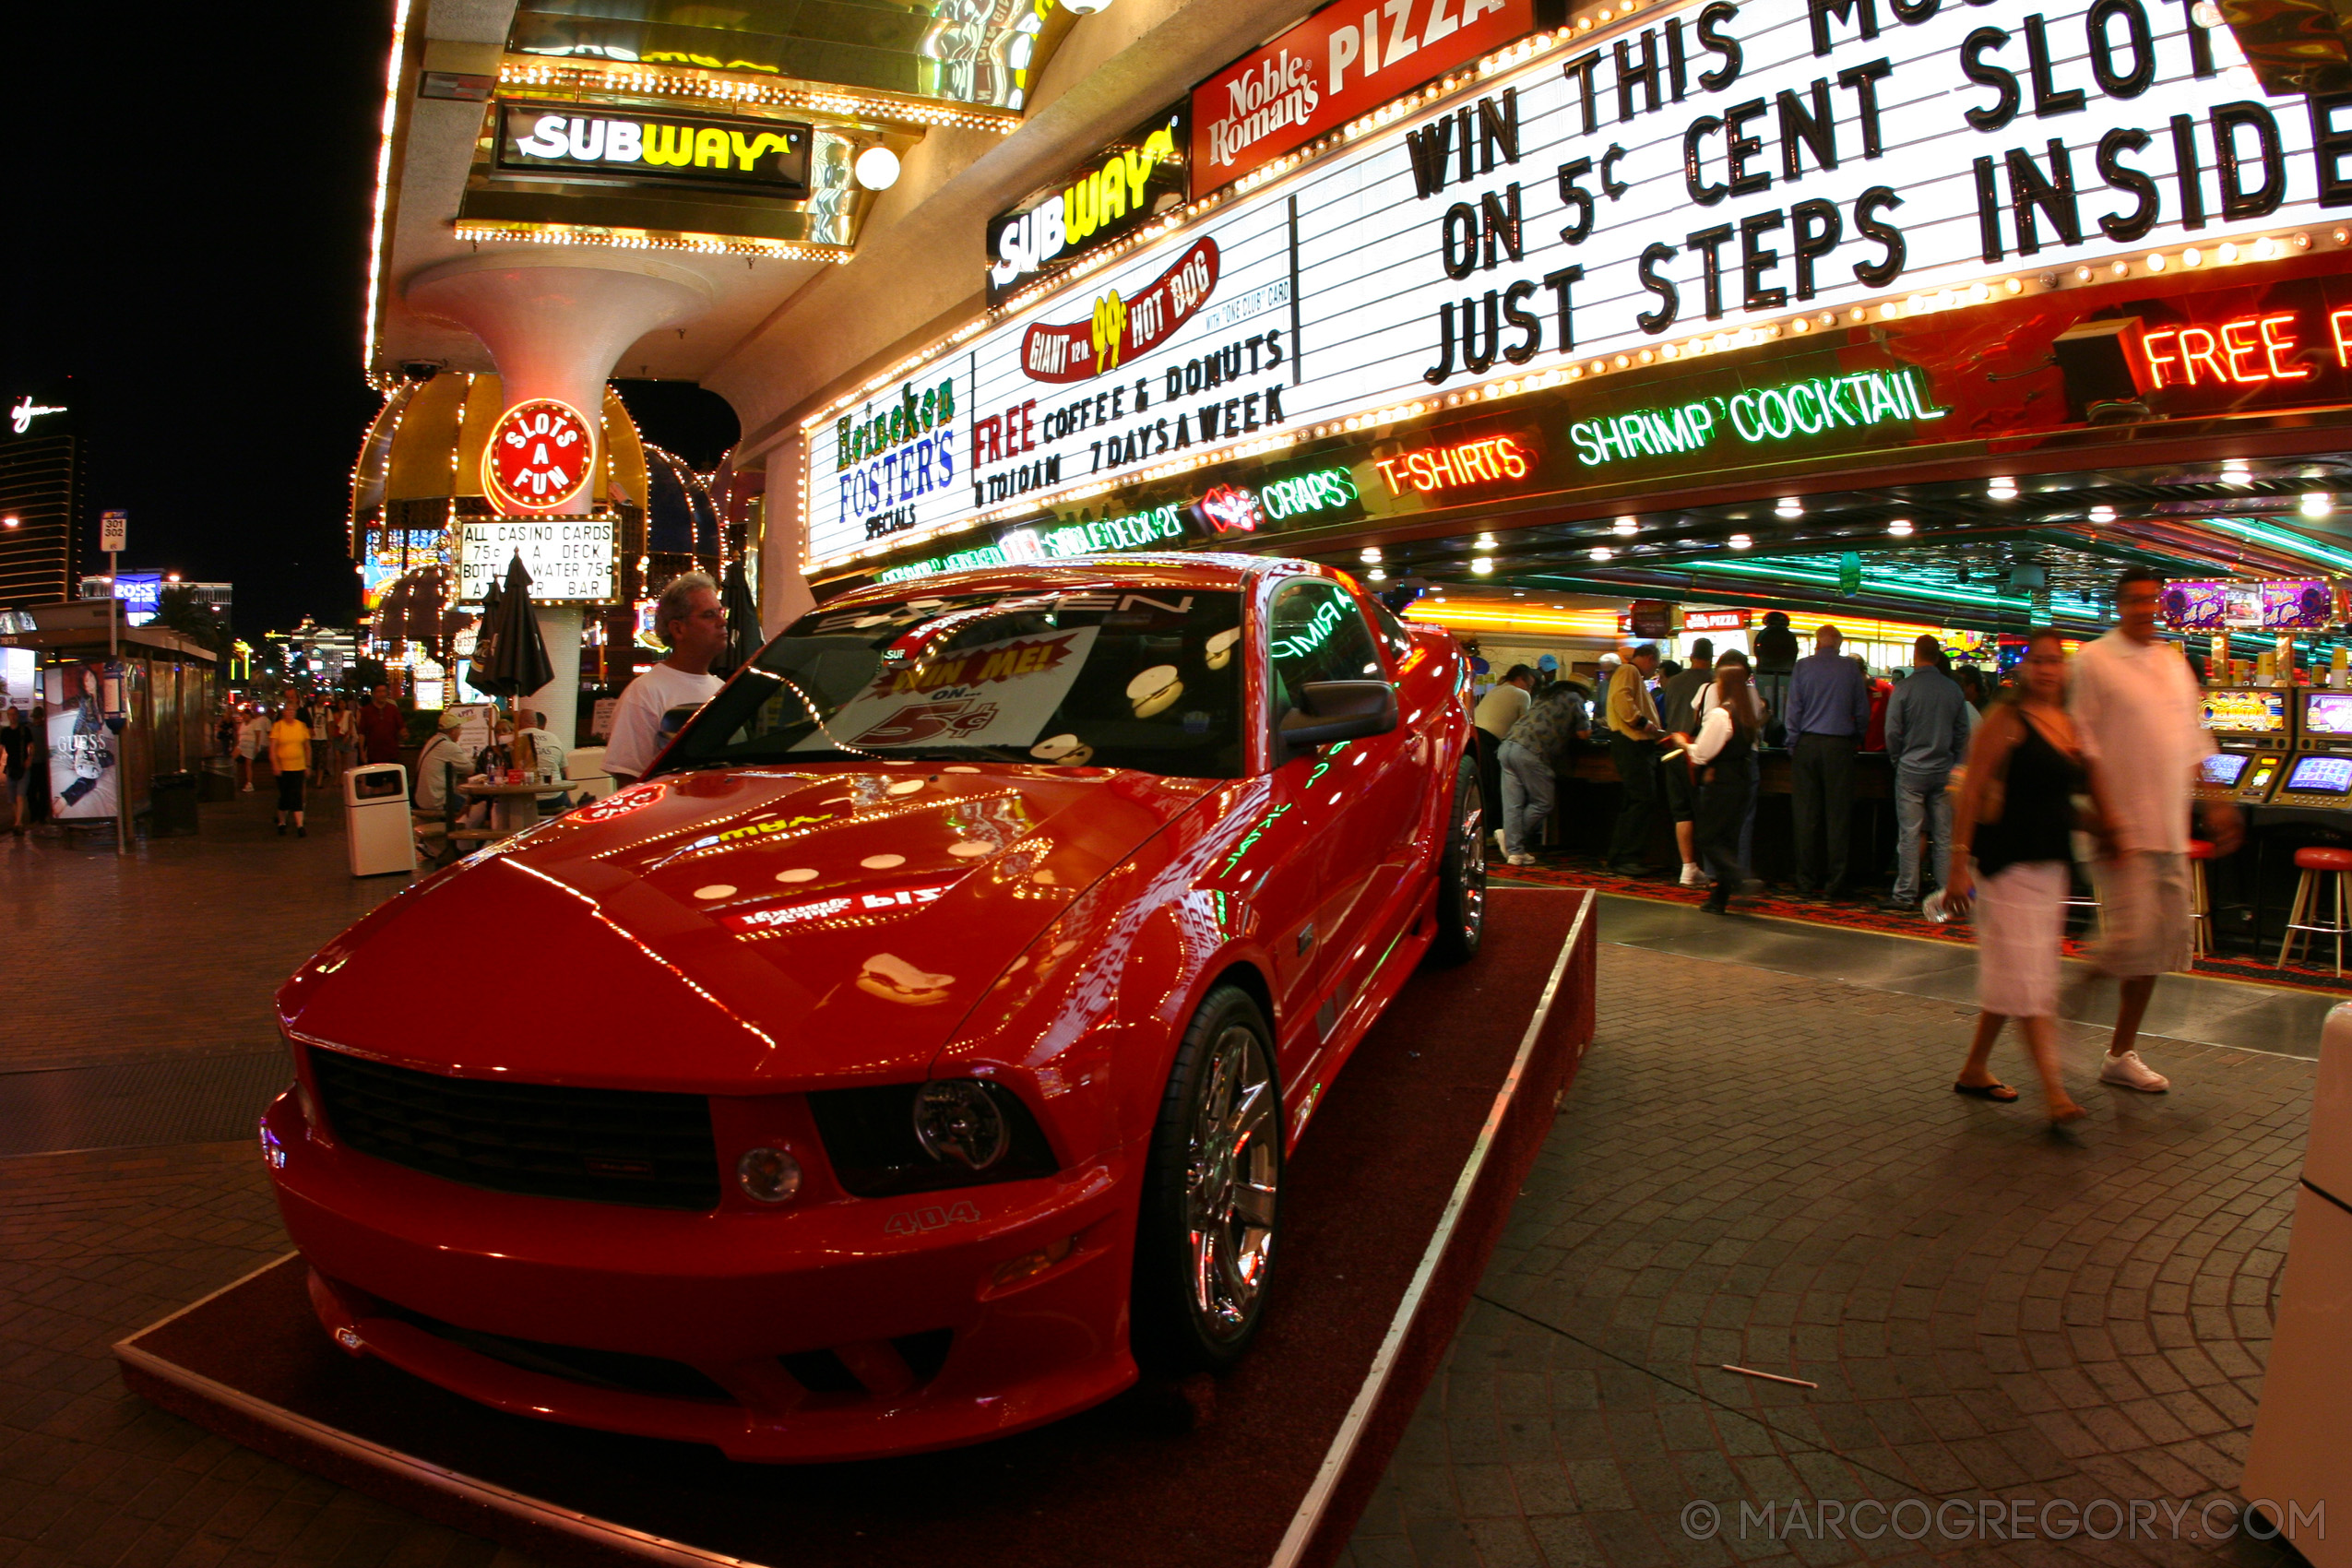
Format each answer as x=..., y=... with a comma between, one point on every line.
x=677, y=602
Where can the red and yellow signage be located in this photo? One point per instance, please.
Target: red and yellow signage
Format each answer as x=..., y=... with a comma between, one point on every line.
x=1494, y=460
x=538, y=458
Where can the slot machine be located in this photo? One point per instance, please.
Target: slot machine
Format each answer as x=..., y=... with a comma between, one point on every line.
x=2255, y=728
x=2318, y=776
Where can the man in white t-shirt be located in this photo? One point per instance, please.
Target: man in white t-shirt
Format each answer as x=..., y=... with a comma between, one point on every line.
x=691, y=622
x=2136, y=711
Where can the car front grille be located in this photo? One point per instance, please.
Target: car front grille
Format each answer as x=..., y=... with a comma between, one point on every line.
x=635, y=1147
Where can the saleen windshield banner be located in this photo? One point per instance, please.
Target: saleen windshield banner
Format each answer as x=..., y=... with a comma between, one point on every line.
x=1617, y=200
x=572, y=141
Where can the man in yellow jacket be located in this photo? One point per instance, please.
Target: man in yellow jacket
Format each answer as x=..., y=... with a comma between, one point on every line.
x=1634, y=735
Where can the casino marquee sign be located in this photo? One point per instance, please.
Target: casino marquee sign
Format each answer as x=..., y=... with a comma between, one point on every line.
x=1622, y=197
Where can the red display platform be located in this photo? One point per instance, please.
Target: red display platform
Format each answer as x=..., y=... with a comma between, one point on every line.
x=1390, y=1211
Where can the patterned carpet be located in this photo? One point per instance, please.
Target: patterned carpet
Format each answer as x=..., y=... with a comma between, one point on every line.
x=1859, y=915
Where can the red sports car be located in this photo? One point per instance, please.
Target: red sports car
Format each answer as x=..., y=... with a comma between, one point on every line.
x=916, y=1049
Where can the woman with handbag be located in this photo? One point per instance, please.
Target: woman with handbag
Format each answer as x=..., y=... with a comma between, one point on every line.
x=1720, y=757
x=2016, y=817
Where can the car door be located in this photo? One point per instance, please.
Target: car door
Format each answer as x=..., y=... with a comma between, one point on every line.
x=1359, y=797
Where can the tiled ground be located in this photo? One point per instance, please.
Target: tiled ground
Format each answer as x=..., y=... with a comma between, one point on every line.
x=1755, y=1167
x=1771, y=1170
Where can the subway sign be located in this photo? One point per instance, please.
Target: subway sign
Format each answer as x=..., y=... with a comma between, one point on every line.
x=1136, y=179
x=1693, y=181
x=572, y=141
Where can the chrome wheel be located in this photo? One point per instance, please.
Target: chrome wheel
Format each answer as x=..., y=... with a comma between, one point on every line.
x=1233, y=1172
x=1469, y=839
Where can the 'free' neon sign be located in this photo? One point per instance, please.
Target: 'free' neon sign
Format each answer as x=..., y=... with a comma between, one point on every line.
x=2243, y=352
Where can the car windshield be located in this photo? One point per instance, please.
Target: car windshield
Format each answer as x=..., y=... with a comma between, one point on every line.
x=1096, y=676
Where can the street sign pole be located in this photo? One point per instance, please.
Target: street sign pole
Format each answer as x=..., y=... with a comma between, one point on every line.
x=110, y=528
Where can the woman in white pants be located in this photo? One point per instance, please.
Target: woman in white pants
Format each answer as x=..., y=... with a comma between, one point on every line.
x=2013, y=845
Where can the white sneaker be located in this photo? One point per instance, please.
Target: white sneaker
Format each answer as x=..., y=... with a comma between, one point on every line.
x=1520, y=860
x=2130, y=1072
x=1501, y=847
x=248, y=789
x=1693, y=877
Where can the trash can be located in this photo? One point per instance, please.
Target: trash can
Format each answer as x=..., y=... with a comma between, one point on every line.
x=375, y=820
x=171, y=805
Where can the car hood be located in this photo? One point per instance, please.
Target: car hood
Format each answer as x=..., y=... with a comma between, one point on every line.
x=740, y=930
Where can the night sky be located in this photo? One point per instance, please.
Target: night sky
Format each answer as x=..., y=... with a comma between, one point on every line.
x=186, y=205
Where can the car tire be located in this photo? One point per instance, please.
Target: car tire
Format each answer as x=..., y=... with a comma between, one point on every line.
x=1205, y=1238
x=1461, y=872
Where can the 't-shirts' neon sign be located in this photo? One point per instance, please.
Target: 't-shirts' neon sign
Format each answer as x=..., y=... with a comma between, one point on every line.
x=1491, y=461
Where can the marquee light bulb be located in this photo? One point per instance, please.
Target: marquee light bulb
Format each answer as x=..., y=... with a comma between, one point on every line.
x=1789, y=506
x=2102, y=513
x=2317, y=505
x=1602, y=553
x=1740, y=541
x=877, y=168
x=1900, y=528
x=1626, y=528
x=1483, y=564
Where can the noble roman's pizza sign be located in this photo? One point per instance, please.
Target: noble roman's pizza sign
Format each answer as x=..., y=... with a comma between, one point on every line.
x=538, y=456
x=1333, y=66
x=1703, y=178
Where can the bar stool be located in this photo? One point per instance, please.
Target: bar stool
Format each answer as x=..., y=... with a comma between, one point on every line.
x=2315, y=863
x=2201, y=937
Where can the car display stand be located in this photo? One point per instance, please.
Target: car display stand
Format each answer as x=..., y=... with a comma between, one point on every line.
x=1391, y=1208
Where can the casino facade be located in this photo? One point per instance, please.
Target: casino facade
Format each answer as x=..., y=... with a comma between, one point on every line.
x=1915, y=316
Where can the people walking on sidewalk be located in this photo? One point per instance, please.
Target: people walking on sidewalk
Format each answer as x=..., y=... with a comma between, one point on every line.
x=2012, y=851
x=1531, y=756
x=1927, y=737
x=1720, y=755
x=251, y=737
x=1503, y=706
x=289, y=745
x=381, y=723
x=1829, y=709
x=1678, y=705
x=1632, y=717
x=2136, y=706
x=16, y=765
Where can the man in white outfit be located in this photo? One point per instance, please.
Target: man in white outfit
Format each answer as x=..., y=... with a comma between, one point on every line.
x=690, y=620
x=2136, y=708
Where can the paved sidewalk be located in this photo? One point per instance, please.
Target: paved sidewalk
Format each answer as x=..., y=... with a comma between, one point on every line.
x=177, y=948
x=1770, y=1170
x=1757, y=1166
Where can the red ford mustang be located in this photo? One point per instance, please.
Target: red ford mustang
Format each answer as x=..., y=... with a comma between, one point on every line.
x=916, y=1049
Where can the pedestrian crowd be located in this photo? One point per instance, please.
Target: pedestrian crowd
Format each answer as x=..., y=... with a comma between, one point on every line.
x=1995, y=802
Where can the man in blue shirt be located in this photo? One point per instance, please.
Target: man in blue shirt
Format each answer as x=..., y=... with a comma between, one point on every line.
x=1927, y=737
x=1829, y=711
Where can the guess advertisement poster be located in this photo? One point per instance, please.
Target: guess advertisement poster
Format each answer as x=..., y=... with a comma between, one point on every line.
x=85, y=742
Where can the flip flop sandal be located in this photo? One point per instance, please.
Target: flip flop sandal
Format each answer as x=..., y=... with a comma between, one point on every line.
x=2001, y=1093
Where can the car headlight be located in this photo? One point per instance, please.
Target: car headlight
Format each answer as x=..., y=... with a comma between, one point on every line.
x=957, y=1120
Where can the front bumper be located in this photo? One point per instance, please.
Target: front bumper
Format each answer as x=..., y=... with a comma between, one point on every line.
x=812, y=1333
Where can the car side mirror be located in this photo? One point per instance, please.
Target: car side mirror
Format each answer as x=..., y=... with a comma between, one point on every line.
x=1338, y=711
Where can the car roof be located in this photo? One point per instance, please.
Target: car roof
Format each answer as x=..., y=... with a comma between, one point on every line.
x=1205, y=570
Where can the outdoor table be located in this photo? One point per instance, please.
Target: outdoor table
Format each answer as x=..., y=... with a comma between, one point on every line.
x=513, y=807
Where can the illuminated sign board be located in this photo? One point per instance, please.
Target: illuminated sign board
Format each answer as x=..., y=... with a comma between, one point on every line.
x=1137, y=177
x=24, y=410
x=570, y=141
x=571, y=559
x=1326, y=490
x=1756, y=168
x=1817, y=406
x=1494, y=460
x=2292, y=605
x=1333, y=66
x=1229, y=509
x=538, y=456
x=2243, y=351
x=1715, y=620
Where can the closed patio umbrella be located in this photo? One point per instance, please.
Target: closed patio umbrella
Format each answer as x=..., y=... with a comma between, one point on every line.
x=743, y=622
x=511, y=659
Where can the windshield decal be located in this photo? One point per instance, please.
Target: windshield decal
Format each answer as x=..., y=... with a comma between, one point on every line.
x=999, y=694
